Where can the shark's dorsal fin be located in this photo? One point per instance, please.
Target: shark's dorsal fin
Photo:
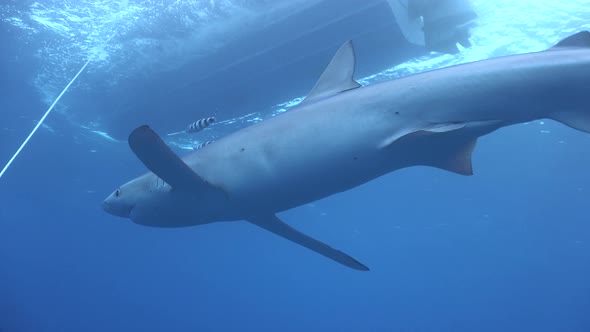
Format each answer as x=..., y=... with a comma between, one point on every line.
x=580, y=39
x=275, y=225
x=338, y=76
x=163, y=162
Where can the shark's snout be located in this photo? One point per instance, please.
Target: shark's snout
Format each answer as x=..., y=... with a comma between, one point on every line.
x=117, y=206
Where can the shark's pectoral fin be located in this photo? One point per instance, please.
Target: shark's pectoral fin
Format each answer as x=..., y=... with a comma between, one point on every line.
x=337, y=77
x=273, y=224
x=163, y=162
x=573, y=119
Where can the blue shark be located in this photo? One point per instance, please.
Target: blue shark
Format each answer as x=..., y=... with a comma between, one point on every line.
x=343, y=135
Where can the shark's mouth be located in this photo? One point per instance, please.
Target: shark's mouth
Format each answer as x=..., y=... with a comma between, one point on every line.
x=119, y=211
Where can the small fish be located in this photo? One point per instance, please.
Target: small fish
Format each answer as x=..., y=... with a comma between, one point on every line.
x=202, y=145
x=199, y=125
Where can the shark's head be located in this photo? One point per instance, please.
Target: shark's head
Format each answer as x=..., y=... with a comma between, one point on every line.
x=127, y=197
x=172, y=195
x=149, y=201
x=119, y=203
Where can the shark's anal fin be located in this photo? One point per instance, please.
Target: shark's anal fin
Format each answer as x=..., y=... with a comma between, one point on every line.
x=163, y=162
x=275, y=225
x=338, y=76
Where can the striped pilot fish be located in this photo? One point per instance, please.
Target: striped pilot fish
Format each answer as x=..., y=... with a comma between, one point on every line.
x=199, y=125
x=202, y=145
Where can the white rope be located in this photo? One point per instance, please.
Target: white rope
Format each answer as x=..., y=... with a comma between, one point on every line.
x=47, y=113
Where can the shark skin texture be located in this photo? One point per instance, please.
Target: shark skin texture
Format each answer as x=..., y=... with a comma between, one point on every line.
x=343, y=135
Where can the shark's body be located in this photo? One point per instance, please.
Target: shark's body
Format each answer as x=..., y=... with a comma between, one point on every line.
x=344, y=135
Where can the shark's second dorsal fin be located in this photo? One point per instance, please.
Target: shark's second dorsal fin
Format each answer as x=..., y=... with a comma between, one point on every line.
x=163, y=162
x=338, y=76
x=580, y=40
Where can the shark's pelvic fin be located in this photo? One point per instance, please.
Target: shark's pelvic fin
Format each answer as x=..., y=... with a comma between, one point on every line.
x=338, y=76
x=275, y=225
x=445, y=127
x=431, y=128
x=577, y=120
x=163, y=162
x=452, y=152
x=457, y=158
x=580, y=39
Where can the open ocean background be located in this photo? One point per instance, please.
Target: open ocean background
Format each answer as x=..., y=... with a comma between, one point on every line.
x=505, y=250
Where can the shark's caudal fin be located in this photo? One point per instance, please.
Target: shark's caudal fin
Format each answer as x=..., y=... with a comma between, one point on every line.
x=338, y=76
x=163, y=162
x=273, y=224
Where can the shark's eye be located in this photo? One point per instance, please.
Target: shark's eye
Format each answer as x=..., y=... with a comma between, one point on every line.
x=117, y=192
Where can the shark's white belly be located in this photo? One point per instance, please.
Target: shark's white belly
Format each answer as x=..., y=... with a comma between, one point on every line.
x=297, y=158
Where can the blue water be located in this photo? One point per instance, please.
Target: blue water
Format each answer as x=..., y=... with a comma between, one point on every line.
x=505, y=250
